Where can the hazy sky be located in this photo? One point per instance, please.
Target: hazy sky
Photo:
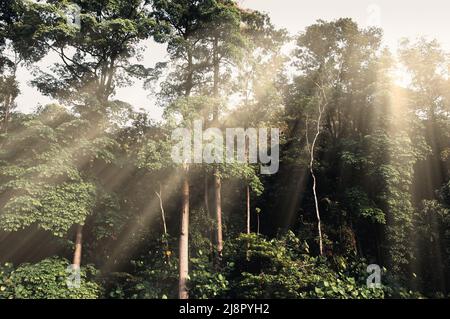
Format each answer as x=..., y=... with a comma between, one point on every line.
x=398, y=18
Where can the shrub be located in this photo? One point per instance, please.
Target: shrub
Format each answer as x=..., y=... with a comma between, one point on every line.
x=46, y=280
x=259, y=268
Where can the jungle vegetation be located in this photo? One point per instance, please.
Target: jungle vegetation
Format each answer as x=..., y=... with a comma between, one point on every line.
x=88, y=180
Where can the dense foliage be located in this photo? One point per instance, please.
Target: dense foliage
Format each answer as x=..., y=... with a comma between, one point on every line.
x=364, y=162
x=46, y=280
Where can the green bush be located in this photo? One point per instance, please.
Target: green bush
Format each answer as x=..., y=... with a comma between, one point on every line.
x=205, y=282
x=282, y=268
x=46, y=280
x=154, y=275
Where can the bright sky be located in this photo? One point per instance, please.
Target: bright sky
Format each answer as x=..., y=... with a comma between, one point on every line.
x=398, y=19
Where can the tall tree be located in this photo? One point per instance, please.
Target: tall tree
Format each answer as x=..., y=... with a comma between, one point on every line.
x=224, y=32
x=186, y=23
x=257, y=86
x=428, y=99
x=343, y=71
x=94, y=56
x=10, y=58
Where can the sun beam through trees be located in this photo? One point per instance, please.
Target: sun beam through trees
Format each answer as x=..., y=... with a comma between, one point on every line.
x=88, y=182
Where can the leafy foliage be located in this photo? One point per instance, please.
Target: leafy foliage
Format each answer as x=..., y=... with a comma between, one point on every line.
x=46, y=280
x=363, y=162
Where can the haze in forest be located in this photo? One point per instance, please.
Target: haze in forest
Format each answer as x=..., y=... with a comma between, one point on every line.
x=356, y=207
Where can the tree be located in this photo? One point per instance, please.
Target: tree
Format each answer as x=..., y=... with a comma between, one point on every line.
x=257, y=84
x=41, y=180
x=9, y=92
x=427, y=64
x=94, y=56
x=359, y=130
x=186, y=24
x=327, y=67
x=224, y=34
x=321, y=106
x=9, y=62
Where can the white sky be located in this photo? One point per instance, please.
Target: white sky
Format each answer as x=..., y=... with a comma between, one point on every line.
x=398, y=19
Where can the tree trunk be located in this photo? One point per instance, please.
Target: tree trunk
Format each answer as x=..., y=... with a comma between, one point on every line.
x=184, y=240
x=208, y=212
x=206, y=195
x=257, y=228
x=218, y=202
x=163, y=215
x=78, y=246
x=247, y=156
x=217, y=183
x=7, y=110
x=216, y=77
x=11, y=96
x=248, y=209
x=183, y=292
x=321, y=109
x=316, y=204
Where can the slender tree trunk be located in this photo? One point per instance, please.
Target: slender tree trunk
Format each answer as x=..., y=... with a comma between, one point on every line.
x=247, y=157
x=206, y=195
x=11, y=97
x=183, y=292
x=218, y=201
x=208, y=212
x=78, y=246
x=257, y=228
x=248, y=220
x=190, y=73
x=184, y=239
x=163, y=215
x=217, y=182
x=316, y=204
x=378, y=246
x=248, y=209
x=321, y=109
x=216, y=76
x=7, y=111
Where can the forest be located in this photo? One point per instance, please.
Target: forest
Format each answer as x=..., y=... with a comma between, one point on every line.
x=93, y=206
